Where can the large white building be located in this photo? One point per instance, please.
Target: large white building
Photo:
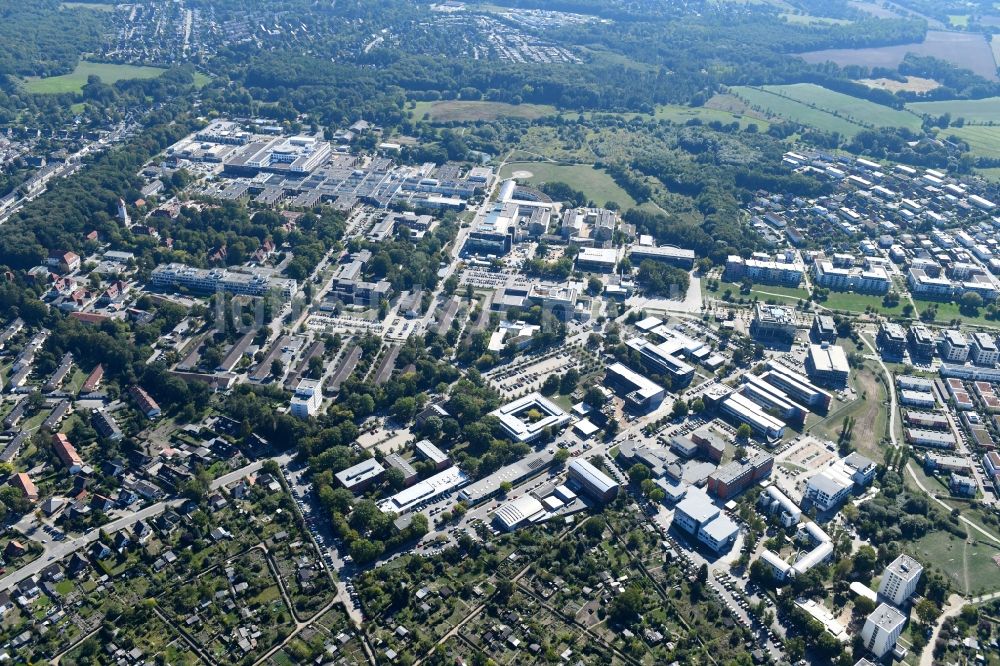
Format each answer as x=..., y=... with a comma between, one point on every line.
x=171, y=276
x=900, y=579
x=518, y=418
x=862, y=281
x=954, y=347
x=882, y=628
x=307, y=399
x=827, y=364
x=828, y=488
x=697, y=515
x=513, y=514
x=764, y=271
x=983, y=349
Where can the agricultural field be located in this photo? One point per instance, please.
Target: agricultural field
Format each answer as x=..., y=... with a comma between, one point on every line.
x=594, y=183
x=962, y=49
x=74, y=81
x=808, y=19
x=910, y=84
x=472, y=111
x=984, y=141
x=972, y=110
x=789, y=109
x=845, y=106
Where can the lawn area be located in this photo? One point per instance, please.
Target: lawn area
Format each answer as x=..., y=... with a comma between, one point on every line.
x=470, y=111
x=594, y=183
x=990, y=174
x=869, y=413
x=969, y=566
x=825, y=109
x=74, y=82
x=972, y=110
x=959, y=20
x=948, y=311
x=858, y=302
x=764, y=292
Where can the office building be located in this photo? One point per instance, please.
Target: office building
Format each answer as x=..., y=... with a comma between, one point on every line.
x=667, y=254
x=827, y=365
x=593, y=481
x=828, y=488
x=639, y=392
x=518, y=420
x=173, y=276
x=775, y=501
x=432, y=454
x=882, y=629
x=773, y=323
x=699, y=517
x=597, y=260
x=396, y=461
x=735, y=477
x=772, y=399
x=662, y=359
x=358, y=477
x=900, y=579
x=424, y=491
x=891, y=340
x=743, y=410
x=797, y=386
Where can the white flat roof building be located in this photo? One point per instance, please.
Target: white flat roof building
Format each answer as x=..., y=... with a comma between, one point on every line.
x=514, y=417
x=900, y=579
x=428, y=489
x=882, y=629
x=357, y=477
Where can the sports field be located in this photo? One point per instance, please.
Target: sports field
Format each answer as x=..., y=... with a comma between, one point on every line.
x=972, y=110
x=74, y=81
x=471, y=111
x=597, y=185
